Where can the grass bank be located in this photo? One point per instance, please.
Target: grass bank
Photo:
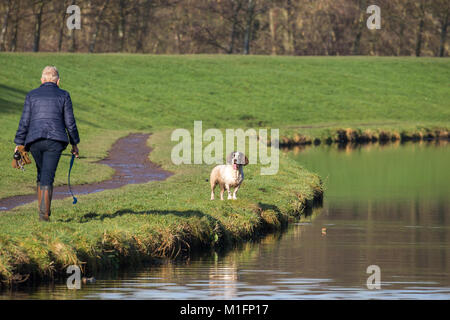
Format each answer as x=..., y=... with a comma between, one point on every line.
x=363, y=134
x=114, y=95
x=138, y=223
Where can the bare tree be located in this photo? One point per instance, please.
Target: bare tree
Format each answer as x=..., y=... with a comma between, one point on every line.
x=5, y=26
x=39, y=7
x=419, y=37
x=250, y=16
x=236, y=7
x=15, y=30
x=98, y=20
x=62, y=23
x=143, y=17
x=360, y=26
x=121, y=30
x=292, y=27
x=441, y=10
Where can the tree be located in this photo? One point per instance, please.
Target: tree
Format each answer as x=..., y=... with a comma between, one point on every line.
x=360, y=25
x=123, y=13
x=5, y=26
x=15, y=31
x=286, y=27
x=98, y=20
x=441, y=10
x=250, y=16
x=421, y=16
x=62, y=23
x=39, y=8
x=236, y=7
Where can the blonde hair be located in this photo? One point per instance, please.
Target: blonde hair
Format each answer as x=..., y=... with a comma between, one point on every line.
x=50, y=73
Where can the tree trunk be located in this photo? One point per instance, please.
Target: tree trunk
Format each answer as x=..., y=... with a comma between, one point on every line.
x=13, y=45
x=73, y=42
x=236, y=10
x=444, y=25
x=122, y=25
x=292, y=28
x=98, y=20
x=400, y=39
x=272, y=31
x=5, y=26
x=361, y=20
x=62, y=26
x=419, y=38
x=248, y=27
x=38, y=25
x=143, y=27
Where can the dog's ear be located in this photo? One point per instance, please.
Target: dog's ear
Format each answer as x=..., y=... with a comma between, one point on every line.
x=243, y=160
x=230, y=158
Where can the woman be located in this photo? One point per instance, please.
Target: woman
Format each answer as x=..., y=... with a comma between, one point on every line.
x=47, y=114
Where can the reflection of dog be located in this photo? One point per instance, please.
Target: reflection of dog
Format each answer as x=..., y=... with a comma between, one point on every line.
x=229, y=175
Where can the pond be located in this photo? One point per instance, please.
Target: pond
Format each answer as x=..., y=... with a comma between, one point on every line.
x=385, y=205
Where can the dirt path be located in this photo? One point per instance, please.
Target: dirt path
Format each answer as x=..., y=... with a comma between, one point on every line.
x=128, y=157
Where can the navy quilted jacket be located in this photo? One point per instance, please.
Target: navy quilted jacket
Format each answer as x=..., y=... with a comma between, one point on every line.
x=47, y=114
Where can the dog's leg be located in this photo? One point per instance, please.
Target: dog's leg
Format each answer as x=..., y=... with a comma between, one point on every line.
x=229, y=192
x=235, y=191
x=213, y=186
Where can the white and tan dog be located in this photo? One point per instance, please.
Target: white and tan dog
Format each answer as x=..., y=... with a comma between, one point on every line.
x=229, y=175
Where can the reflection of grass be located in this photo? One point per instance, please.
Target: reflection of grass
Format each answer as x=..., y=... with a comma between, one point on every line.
x=376, y=172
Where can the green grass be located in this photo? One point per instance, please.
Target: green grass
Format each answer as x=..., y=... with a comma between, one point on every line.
x=117, y=94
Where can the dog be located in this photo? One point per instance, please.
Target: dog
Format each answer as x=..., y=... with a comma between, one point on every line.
x=229, y=175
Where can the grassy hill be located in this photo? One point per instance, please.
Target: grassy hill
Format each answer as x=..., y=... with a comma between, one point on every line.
x=173, y=91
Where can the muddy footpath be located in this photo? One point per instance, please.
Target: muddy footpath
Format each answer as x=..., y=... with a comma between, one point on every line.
x=128, y=157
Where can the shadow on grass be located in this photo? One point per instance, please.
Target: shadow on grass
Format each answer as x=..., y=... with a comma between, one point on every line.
x=90, y=216
x=11, y=100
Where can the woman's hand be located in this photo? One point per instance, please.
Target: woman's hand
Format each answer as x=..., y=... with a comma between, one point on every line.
x=75, y=150
x=17, y=148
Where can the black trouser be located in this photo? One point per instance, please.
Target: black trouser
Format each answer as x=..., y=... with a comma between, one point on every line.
x=46, y=154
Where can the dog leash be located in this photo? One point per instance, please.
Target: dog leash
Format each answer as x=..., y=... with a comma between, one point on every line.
x=75, y=200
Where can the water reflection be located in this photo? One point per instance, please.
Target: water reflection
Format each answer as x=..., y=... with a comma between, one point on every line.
x=349, y=146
